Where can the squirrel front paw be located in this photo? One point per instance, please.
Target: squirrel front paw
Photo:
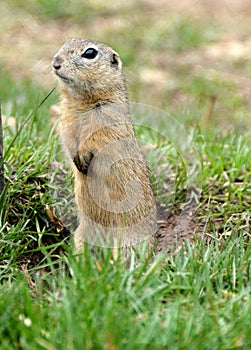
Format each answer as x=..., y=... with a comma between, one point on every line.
x=82, y=162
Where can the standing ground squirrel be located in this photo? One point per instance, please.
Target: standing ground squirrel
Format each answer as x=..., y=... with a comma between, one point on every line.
x=112, y=187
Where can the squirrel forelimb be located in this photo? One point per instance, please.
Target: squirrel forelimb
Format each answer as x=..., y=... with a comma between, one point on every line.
x=82, y=162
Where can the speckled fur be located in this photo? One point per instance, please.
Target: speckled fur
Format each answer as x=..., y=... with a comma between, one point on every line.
x=112, y=188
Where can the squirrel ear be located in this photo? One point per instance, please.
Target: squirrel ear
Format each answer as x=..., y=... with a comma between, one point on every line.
x=116, y=61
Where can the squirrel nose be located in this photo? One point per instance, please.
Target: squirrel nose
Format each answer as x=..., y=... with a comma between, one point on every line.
x=57, y=62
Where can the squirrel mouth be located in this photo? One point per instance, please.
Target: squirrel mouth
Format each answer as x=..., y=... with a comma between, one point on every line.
x=61, y=76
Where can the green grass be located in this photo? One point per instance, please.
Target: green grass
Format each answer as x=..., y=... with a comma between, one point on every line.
x=197, y=298
x=180, y=34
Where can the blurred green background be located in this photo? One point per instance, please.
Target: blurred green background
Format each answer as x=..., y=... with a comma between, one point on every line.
x=191, y=58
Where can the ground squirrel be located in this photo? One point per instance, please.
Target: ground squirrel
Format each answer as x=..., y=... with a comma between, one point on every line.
x=112, y=187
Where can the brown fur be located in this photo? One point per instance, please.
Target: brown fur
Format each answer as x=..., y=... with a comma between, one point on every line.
x=112, y=188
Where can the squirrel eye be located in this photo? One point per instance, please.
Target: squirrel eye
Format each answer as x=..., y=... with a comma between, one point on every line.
x=90, y=53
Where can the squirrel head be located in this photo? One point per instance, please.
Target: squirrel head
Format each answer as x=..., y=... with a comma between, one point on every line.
x=89, y=70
